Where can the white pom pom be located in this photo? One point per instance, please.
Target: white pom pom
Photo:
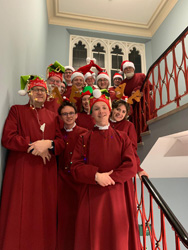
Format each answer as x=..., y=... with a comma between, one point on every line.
x=88, y=59
x=96, y=93
x=121, y=73
x=94, y=60
x=22, y=92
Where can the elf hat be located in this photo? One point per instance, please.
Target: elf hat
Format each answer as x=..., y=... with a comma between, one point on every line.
x=117, y=75
x=55, y=69
x=126, y=64
x=29, y=81
x=87, y=91
x=100, y=96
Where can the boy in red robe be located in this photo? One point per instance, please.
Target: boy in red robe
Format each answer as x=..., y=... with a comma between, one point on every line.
x=67, y=188
x=29, y=192
x=104, y=161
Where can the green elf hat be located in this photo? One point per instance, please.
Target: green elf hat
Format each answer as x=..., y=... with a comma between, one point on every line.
x=55, y=69
x=87, y=91
x=29, y=81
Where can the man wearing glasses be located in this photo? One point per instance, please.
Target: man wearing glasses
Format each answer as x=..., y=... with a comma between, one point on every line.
x=67, y=188
x=67, y=79
x=29, y=193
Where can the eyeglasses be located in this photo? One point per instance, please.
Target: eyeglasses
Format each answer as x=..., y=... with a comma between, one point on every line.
x=68, y=72
x=53, y=81
x=102, y=80
x=36, y=90
x=66, y=114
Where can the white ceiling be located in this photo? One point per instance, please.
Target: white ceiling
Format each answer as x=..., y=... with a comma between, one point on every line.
x=134, y=17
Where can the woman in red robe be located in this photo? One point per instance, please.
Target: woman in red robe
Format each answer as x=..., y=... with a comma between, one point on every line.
x=29, y=193
x=103, y=161
x=84, y=118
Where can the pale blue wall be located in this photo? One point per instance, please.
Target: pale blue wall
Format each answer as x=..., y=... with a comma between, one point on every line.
x=23, y=43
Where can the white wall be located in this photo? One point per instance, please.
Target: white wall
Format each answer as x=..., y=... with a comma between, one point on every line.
x=23, y=43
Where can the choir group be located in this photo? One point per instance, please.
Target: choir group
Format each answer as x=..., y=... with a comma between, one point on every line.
x=72, y=153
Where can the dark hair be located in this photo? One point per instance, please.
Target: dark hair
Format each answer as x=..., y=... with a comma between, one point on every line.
x=116, y=103
x=67, y=103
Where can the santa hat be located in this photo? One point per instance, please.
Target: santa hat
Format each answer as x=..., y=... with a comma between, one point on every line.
x=70, y=67
x=87, y=91
x=103, y=75
x=124, y=98
x=117, y=75
x=100, y=96
x=29, y=81
x=126, y=64
x=89, y=74
x=75, y=74
x=55, y=69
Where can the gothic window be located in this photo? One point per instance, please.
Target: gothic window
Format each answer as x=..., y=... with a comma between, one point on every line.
x=99, y=54
x=136, y=59
x=108, y=53
x=117, y=59
x=79, y=55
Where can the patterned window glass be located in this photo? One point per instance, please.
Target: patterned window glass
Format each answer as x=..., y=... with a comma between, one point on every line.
x=136, y=59
x=79, y=55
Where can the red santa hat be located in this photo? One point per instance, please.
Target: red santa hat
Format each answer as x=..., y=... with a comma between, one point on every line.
x=89, y=74
x=126, y=64
x=103, y=75
x=75, y=74
x=124, y=98
x=70, y=67
x=117, y=75
x=100, y=96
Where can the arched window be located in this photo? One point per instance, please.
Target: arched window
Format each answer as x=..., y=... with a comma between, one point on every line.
x=135, y=57
x=79, y=55
x=108, y=53
x=116, y=59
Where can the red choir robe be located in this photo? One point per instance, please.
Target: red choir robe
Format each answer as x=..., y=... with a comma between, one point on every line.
x=129, y=128
x=68, y=191
x=68, y=91
x=85, y=120
x=136, y=83
x=52, y=104
x=29, y=193
x=103, y=215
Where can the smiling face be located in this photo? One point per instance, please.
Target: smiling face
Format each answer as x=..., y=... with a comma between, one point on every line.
x=68, y=115
x=85, y=102
x=78, y=81
x=37, y=96
x=103, y=83
x=117, y=81
x=67, y=75
x=119, y=113
x=101, y=113
x=129, y=72
x=90, y=81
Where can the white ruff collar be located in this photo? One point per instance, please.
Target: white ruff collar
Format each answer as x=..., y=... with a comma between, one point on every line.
x=112, y=120
x=102, y=127
x=70, y=129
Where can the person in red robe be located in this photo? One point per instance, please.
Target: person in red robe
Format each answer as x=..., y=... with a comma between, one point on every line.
x=89, y=78
x=103, y=82
x=103, y=161
x=67, y=79
x=118, y=120
x=29, y=192
x=117, y=79
x=68, y=189
x=54, y=79
x=134, y=81
x=84, y=118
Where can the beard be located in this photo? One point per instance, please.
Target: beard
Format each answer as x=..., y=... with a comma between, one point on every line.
x=129, y=75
